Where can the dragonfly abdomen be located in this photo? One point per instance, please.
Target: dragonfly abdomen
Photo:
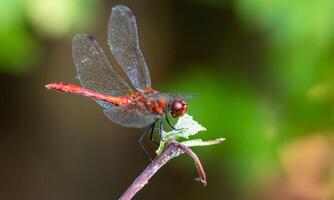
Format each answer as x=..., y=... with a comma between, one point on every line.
x=71, y=88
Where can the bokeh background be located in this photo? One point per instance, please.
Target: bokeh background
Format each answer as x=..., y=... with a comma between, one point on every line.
x=263, y=69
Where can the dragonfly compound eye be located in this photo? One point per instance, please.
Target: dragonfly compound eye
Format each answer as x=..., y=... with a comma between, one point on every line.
x=179, y=107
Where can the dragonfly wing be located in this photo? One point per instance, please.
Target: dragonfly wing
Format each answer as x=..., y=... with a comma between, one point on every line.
x=124, y=45
x=128, y=117
x=173, y=96
x=93, y=68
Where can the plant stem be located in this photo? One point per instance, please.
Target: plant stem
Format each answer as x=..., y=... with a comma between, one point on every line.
x=172, y=150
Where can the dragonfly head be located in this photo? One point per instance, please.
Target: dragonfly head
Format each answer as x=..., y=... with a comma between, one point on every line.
x=179, y=107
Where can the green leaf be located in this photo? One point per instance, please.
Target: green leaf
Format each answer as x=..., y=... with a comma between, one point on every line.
x=186, y=126
x=200, y=142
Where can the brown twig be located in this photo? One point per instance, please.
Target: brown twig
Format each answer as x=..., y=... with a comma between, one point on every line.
x=172, y=150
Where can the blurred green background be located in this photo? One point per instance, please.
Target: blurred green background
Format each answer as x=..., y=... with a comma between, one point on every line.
x=263, y=69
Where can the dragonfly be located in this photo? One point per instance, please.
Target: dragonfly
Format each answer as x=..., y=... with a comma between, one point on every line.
x=131, y=103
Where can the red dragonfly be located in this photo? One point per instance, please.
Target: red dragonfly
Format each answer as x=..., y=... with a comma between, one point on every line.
x=131, y=105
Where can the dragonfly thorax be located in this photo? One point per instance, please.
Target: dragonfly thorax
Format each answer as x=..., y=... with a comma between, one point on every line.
x=156, y=103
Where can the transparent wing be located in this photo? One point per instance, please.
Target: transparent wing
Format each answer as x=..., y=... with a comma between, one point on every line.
x=93, y=68
x=128, y=117
x=173, y=96
x=124, y=45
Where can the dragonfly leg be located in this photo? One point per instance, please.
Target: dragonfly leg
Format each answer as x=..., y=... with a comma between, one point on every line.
x=169, y=123
x=152, y=132
x=161, y=130
x=141, y=142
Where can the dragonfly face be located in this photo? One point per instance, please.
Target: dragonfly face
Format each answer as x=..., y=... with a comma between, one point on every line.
x=179, y=107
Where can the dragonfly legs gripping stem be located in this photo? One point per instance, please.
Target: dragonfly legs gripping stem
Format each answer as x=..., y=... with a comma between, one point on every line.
x=141, y=138
x=152, y=132
x=161, y=130
x=169, y=123
x=152, y=129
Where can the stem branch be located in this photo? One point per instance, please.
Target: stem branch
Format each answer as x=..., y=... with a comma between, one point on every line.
x=172, y=150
